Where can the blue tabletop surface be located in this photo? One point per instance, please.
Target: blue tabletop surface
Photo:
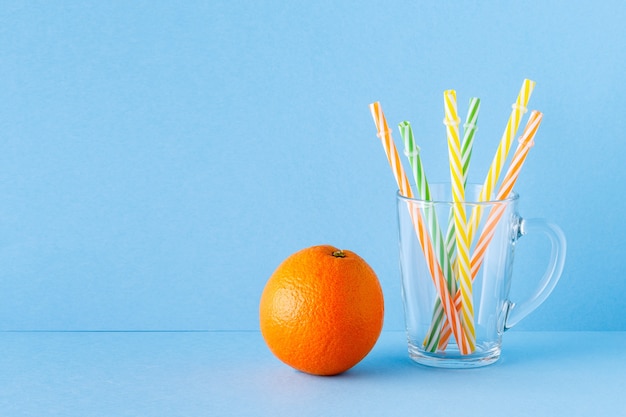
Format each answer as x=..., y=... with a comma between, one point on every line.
x=233, y=373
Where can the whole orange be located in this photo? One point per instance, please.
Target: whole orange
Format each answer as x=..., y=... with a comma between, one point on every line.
x=322, y=310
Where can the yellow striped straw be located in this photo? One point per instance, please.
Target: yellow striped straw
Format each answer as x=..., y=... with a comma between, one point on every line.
x=460, y=220
x=519, y=108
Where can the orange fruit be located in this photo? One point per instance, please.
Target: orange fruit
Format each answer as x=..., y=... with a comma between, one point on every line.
x=322, y=310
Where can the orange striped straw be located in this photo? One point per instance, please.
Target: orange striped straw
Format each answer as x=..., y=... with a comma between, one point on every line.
x=519, y=157
x=525, y=143
x=384, y=133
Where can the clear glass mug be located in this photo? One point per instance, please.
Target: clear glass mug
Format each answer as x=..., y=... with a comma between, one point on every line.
x=491, y=252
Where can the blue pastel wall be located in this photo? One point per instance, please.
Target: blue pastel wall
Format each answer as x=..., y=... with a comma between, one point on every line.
x=159, y=159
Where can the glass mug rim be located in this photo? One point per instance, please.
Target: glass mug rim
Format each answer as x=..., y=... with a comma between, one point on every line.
x=512, y=197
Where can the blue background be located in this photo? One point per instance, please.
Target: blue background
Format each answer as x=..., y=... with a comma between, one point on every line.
x=159, y=159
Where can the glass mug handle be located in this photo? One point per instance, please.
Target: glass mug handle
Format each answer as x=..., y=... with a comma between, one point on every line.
x=517, y=312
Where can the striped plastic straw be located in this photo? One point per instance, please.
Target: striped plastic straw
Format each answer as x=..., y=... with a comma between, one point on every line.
x=412, y=151
x=460, y=220
x=525, y=143
x=519, y=108
x=405, y=190
x=469, y=130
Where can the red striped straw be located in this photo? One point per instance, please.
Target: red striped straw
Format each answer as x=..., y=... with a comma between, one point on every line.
x=525, y=143
x=384, y=133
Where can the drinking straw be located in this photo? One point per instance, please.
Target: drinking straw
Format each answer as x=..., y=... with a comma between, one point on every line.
x=518, y=110
x=412, y=151
x=405, y=190
x=525, y=143
x=469, y=130
x=510, y=178
x=460, y=220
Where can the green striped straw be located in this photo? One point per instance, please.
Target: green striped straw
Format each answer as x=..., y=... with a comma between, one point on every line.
x=469, y=130
x=412, y=151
